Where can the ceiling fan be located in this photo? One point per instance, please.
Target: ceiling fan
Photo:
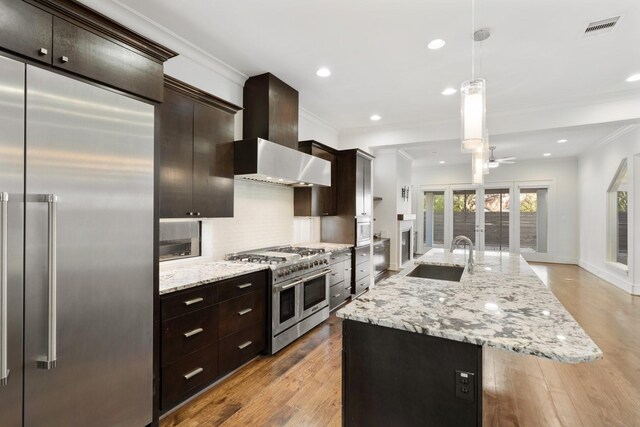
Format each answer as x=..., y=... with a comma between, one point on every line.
x=494, y=163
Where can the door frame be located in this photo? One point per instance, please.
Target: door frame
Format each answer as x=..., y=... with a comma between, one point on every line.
x=498, y=186
x=537, y=256
x=421, y=247
x=478, y=230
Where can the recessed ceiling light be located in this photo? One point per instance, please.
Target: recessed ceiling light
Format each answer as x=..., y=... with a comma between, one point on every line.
x=303, y=183
x=449, y=91
x=323, y=72
x=269, y=177
x=546, y=154
x=436, y=44
x=562, y=141
x=442, y=162
x=634, y=78
x=375, y=117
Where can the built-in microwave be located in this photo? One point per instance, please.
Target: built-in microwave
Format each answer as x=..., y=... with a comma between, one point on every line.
x=364, y=230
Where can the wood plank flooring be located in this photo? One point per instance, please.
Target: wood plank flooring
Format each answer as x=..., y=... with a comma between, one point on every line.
x=301, y=385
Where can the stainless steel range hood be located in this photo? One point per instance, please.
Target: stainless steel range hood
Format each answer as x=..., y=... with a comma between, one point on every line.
x=260, y=160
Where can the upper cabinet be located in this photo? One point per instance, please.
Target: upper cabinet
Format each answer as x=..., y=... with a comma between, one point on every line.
x=270, y=110
x=195, y=133
x=71, y=37
x=317, y=200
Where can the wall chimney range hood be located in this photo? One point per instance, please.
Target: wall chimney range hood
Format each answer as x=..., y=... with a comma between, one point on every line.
x=269, y=152
x=260, y=160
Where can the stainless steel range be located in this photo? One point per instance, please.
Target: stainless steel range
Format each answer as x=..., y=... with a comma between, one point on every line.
x=299, y=289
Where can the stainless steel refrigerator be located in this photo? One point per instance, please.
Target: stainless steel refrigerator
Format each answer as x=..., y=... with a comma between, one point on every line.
x=76, y=252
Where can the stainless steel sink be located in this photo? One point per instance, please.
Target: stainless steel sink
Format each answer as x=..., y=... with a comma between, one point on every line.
x=438, y=272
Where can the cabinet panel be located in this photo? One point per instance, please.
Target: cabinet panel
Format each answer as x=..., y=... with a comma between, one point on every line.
x=188, y=301
x=240, y=313
x=25, y=29
x=82, y=52
x=242, y=285
x=212, y=162
x=186, y=334
x=360, y=208
x=337, y=273
x=241, y=347
x=367, y=202
x=188, y=374
x=362, y=271
x=174, y=127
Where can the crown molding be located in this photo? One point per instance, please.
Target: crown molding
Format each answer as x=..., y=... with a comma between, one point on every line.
x=200, y=95
x=312, y=117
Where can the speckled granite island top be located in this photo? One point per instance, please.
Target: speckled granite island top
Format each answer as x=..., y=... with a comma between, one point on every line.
x=503, y=304
x=201, y=273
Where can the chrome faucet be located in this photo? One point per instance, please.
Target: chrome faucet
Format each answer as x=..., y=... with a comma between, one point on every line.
x=467, y=241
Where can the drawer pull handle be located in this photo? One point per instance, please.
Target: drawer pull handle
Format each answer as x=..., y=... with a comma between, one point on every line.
x=334, y=274
x=336, y=295
x=347, y=269
x=194, y=301
x=193, y=373
x=42, y=51
x=64, y=59
x=192, y=333
x=245, y=345
x=245, y=311
x=245, y=285
x=364, y=254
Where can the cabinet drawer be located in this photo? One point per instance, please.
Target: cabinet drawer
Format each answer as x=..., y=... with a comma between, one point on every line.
x=188, y=301
x=188, y=375
x=25, y=29
x=186, y=334
x=338, y=294
x=90, y=55
x=361, y=286
x=240, y=313
x=337, y=273
x=338, y=257
x=242, y=285
x=362, y=254
x=362, y=271
x=239, y=348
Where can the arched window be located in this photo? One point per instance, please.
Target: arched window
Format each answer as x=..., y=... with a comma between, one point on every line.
x=617, y=232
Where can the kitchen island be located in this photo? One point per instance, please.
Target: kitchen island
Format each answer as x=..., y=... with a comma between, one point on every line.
x=413, y=346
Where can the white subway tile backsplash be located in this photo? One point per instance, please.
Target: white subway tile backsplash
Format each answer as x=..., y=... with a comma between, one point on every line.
x=306, y=229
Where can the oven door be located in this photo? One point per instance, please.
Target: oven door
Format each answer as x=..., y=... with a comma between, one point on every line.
x=286, y=305
x=315, y=293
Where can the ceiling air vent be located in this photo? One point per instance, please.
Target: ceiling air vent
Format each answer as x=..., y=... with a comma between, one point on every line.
x=602, y=26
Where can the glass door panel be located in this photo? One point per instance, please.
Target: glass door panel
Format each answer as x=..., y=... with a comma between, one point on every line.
x=464, y=214
x=534, y=220
x=433, y=219
x=496, y=219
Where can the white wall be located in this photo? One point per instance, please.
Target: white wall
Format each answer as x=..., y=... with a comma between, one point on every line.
x=597, y=168
x=564, y=176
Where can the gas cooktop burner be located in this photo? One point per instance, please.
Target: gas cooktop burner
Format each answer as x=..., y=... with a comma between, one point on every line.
x=300, y=250
x=259, y=259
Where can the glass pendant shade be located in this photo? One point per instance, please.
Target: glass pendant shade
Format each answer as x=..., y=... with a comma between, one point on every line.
x=477, y=167
x=473, y=115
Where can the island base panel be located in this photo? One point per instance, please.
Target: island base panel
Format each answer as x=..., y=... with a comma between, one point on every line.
x=398, y=378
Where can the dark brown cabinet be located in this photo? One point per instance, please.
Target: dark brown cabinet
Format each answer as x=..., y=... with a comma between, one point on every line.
x=77, y=40
x=26, y=30
x=82, y=52
x=195, y=131
x=317, y=200
x=271, y=110
x=339, y=278
x=208, y=332
x=353, y=196
x=361, y=265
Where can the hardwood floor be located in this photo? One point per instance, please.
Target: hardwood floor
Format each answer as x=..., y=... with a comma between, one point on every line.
x=301, y=385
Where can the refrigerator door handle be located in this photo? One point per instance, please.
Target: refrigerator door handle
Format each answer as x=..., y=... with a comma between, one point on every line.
x=4, y=370
x=50, y=361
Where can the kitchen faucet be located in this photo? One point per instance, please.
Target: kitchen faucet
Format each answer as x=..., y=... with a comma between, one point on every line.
x=467, y=241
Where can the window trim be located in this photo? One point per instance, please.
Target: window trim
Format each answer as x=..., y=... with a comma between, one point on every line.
x=611, y=255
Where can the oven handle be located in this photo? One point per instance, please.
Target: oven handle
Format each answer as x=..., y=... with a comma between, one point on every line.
x=315, y=276
x=289, y=286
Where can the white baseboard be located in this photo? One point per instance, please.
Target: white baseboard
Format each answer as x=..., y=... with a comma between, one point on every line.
x=616, y=280
x=565, y=260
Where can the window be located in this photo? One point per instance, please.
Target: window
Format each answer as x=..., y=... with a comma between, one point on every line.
x=618, y=233
x=496, y=219
x=464, y=214
x=434, y=219
x=179, y=239
x=534, y=219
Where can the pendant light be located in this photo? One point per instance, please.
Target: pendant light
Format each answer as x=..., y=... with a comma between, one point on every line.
x=473, y=93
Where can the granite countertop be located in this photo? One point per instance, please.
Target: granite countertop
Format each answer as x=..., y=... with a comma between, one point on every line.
x=329, y=247
x=503, y=304
x=202, y=273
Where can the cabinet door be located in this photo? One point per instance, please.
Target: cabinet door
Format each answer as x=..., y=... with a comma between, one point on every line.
x=87, y=54
x=325, y=197
x=174, y=127
x=360, y=208
x=367, y=197
x=25, y=29
x=212, y=162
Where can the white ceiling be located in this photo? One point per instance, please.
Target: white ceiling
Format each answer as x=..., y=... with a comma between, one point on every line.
x=524, y=146
x=376, y=50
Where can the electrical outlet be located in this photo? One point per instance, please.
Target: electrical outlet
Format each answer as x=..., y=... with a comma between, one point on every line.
x=465, y=385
